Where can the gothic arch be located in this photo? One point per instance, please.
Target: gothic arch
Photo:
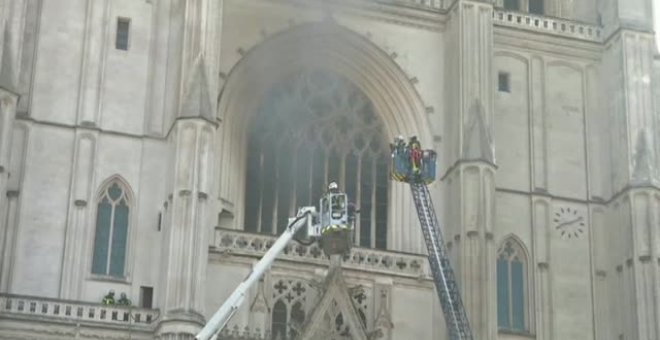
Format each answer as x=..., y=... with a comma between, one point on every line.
x=129, y=196
x=517, y=247
x=324, y=46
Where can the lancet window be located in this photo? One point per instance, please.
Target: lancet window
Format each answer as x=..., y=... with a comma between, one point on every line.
x=512, y=297
x=111, y=236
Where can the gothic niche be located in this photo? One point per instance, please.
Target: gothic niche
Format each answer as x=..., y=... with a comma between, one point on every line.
x=313, y=128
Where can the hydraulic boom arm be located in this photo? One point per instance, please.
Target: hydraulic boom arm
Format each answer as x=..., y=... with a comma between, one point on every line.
x=235, y=300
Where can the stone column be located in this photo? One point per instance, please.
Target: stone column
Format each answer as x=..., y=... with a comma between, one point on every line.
x=628, y=61
x=8, y=101
x=540, y=264
x=187, y=232
x=186, y=236
x=77, y=229
x=470, y=178
x=190, y=91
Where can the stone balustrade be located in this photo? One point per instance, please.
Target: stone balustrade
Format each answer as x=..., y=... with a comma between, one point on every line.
x=548, y=25
x=364, y=259
x=73, y=311
x=425, y=4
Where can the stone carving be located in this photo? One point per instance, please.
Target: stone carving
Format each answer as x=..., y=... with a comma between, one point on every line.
x=369, y=260
x=336, y=317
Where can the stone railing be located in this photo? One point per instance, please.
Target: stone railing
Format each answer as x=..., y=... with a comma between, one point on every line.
x=548, y=25
x=364, y=259
x=435, y=5
x=73, y=311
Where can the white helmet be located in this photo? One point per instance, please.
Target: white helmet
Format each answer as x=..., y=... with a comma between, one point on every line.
x=333, y=186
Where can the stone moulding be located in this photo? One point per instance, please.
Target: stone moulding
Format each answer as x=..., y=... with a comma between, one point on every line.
x=239, y=243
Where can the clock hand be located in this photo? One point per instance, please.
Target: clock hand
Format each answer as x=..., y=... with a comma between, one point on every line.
x=569, y=222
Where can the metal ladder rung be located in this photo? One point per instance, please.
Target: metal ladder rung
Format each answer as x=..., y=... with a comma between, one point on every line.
x=443, y=274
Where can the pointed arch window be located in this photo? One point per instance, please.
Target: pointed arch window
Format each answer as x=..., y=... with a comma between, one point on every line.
x=313, y=128
x=111, y=236
x=279, y=321
x=512, y=286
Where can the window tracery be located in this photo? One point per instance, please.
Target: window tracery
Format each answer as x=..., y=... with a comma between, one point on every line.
x=290, y=309
x=312, y=129
x=111, y=236
x=512, y=299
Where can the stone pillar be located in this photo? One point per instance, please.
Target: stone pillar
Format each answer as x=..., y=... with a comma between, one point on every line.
x=78, y=225
x=8, y=101
x=540, y=264
x=186, y=236
x=635, y=148
x=470, y=177
x=190, y=90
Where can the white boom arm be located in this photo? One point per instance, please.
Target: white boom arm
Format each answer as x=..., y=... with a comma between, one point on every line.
x=235, y=300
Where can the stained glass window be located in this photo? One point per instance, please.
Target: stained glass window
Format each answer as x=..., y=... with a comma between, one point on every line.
x=511, y=287
x=111, y=235
x=312, y=129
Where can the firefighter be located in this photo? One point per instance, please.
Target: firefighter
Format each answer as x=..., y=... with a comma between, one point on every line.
x=416, y=154
x=333, y=188
x=352, y=211
x=123, y=300
x=109, y=299
x=337, y=204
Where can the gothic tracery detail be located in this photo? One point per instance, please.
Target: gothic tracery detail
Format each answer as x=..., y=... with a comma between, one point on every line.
x=314, y=128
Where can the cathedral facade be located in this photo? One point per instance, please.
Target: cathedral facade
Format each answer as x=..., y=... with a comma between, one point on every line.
x=156, y=148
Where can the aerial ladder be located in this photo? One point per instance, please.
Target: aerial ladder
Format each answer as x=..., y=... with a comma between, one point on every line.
x=417, y=167
x=332, y=226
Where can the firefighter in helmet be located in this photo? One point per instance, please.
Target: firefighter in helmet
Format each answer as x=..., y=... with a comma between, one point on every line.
x=416, y=155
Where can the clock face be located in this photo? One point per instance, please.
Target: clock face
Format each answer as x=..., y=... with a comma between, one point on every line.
x=569, y=222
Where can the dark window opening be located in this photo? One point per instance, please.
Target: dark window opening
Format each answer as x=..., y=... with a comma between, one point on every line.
x=503, y=82
x=536, y=7
x=513, y=5
x=121, y=40
x=313, y=129
x=279, y=321
x=160, y=220
x=146, y=297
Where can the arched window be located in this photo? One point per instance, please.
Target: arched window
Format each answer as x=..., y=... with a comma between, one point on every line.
x=314, y=128
x=279, y=321
x=512, y=287
x=111, y=235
